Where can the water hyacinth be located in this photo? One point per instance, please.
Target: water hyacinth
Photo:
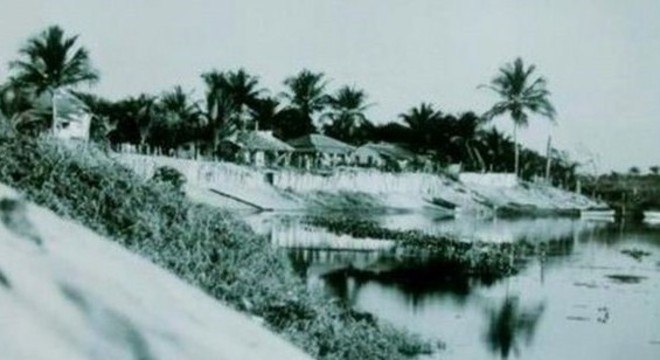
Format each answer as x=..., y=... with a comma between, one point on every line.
x=476, y=258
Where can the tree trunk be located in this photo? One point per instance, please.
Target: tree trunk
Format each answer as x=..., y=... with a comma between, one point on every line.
x=516, y=147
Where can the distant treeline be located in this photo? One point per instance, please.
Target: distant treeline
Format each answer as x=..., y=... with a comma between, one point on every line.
x=630, y=193
x=235, y=100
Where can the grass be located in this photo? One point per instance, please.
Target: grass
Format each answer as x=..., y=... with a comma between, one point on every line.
x=204, y=246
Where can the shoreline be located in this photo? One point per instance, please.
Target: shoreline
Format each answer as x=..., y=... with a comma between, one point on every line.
x=350, y=189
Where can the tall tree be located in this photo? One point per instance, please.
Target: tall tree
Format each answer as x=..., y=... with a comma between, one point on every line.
x=423, y=122
x=347, y=119
x=179, y=119
x=244, y=91
x=521, y=94
x=221, y=110
x=496, y=148
x=462, y=143
x=52, y=60
x=15, y=104
x=306, y=95
x=265, y=113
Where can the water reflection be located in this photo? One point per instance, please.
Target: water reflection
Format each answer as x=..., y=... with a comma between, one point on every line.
x=511, y=323
x=588, y=297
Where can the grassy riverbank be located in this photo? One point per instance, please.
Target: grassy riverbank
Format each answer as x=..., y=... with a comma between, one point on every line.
x=205, y=246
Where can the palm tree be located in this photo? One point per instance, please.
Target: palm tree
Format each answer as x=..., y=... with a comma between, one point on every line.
x=347, y=119
x=244, y=91
x=422, y=121
x=221, y=108
x=102, y=124
x=462, y=132
x=144, y=112
x=180, y=116
x=21, y=111
x=51, y=60
x=306, y=94
x=496, y=147
x=14, y=103
x=520, y=95
x=265, y=113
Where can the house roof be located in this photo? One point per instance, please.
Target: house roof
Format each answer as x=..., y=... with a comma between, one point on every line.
x=259, y=140
x=320, y=143
x=389, y=150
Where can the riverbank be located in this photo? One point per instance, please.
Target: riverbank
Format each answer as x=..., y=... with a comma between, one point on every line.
x=351, y=188
x=67, y=293
x=205, y=246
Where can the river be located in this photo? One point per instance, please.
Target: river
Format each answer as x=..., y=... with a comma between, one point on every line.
x=598, y=297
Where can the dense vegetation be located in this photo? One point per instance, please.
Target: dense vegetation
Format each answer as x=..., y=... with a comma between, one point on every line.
x=204, y=246
x=462, y=257
x=234, y=100
x=630, y=194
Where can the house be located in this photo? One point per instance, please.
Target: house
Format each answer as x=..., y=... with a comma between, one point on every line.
x=71, y=116
x=316, y=150
x=257, y=148
x=383, y=155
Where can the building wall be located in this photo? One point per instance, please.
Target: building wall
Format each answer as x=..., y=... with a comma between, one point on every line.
x=366, y=156
x=506, y=180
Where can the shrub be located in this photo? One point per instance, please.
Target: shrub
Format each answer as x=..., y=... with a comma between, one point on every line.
x=171, y=176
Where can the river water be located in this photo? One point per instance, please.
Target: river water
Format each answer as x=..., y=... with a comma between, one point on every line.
x=597, y=297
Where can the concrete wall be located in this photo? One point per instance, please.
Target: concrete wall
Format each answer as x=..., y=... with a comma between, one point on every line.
x=507, y=180
x=366, y=181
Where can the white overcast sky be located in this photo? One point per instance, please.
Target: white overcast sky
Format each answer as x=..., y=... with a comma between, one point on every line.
x=602, y=58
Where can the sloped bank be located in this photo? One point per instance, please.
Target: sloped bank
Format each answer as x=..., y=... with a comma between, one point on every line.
x=203, y=245
x=67, y=293
x=350, y=188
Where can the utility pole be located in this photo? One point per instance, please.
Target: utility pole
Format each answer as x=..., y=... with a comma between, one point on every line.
x=548, y=159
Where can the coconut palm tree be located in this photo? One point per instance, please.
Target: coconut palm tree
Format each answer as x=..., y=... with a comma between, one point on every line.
x=265, y=113
x=306, y=95
x=52, y=60
x=143, y=110
x=422, y=121
x=521, y=94
x=179, y=118
x=461, y=132
x=496, y=148
x=347, y=120
x=20, y=111
x=244, y=90
x=220, y=115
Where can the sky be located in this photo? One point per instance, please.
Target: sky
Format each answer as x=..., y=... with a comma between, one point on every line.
x=601, y=58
